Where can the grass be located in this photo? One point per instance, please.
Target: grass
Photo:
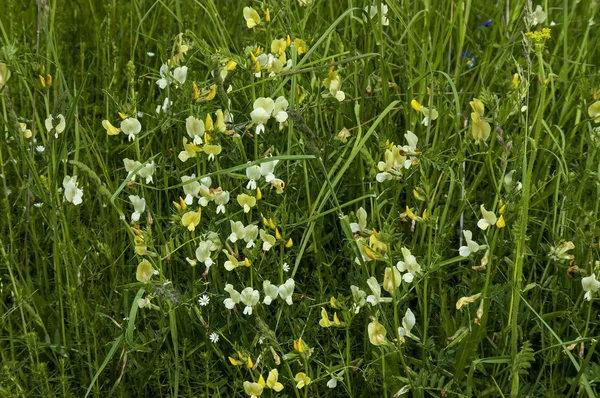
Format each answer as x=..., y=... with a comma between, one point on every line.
x=84, y=315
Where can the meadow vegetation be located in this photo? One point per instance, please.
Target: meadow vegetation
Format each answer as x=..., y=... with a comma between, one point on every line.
x=299, y=198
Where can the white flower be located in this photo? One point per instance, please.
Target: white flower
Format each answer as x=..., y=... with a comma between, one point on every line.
x=286, y=267
x=372, y=11
x=471, y=247
x=253, y=174
x=234, y=297
x=204, y=251
x=166, y=106
x=408, y=322
x=539, y=16
x=214, y=337
x=38, y=205
x=73, y=194
x=249, y=297
x=268, y=240
x=271, y=292
x=374, y=298
x=267, y=169
x=221, y=199
x=195, y=129
x=139, y=206
x=131, y=127
x=489, y=218
x=361, y=217
x=164, y=75
x=40, y=148
x=180, y=74
x=203, y=300
x=262, y=110
x=590, y=285
x=280, y=108
x=359, y=297
x=147, y=171
x=58, y=124
x=286, y=290
x=332, y=383
x=409, y=265
x=191, y=190
x=131, y=166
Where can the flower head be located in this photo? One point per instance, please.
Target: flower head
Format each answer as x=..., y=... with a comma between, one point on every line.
x=408, y=322
x=191, y=219
x=250, y=297
x=376, y=333
x=286, y=290
x=57, y=123
x=139, y=206
x=73, y=193
x=590, y=285
x=594, y=111
x=489, y=218
x=251, y=16
x=272, y=382
x=144, y=271
x=301, y=380
x=471, y=247
x=234, y=297
x=409, y=265
x=428, y=114
x=131, y=127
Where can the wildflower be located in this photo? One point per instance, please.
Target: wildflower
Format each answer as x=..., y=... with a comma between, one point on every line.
x=372, y=11
x=131, y=127
x=361, y=225
x=253, y=174
x=180, y=74
x=510, y=184
x=250, y=297
x=392, y=279
x=559, y=253
x=480, y=129
x=272, y=382
x=233, y=262
x=191, y=219
x=286, y=290
x=234, y=297
x=471, y=247
x=248, y=233
x=278, y=185
x=203, y=300
x=139, y=205
x=376, y=333
x=261, y=113
x=374, y=298
x=489, y=218
x=191, y=190
x=335, y=378
x=539, y=16
x=594, y=111
x=73, y=193
x=590, y=285
x=204, y=251
x=164, y=74
x=409, y=265
x=189, y=150
x=246, y=201
x=4, y=74
x=221, y=199
x=470, y=58
x=428, y=114
x=26, y=132
x=220, y=123
x=466, y=300
x=301, y=46
x=286, y=267
x=333, y=83
x=214, y=338
x=38, y=205
x=254, y=389
x=267, y=169
x=212, y=151
x=146, y=303
x=305, y=3
x=144, y=271
x=268, y=240
x=251, y=16
x=110, y=129
x=279, y=110
x=408, y=322
x=195, y=129
x=540, y=36
x=343, y=135
x=301, y=380
x=271, y=292
x=359, y=297
x=40, y=148
x=57, y=124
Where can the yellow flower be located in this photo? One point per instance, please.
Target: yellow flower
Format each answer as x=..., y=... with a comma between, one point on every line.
x=254, y=389
x=278, y=46
x=181, y=206
x=26, y=132
x=466, y=300
x=501, y=223
x=205, y=95
x=220, y=124
x=289, y=243
x=251, y=16
x=336, y=320
x=246, y=201
x=594, y=111
x=233, y=262
x=144, y=271
x=301, y=46
x=299, y=345
x=480, y=129
x=376, y=333
x=515, y=80
x=324, y=322
x=212, y=151
x=428, y=114
x=110, y=129
x=4, y=74
x=189, y=150
x=267, y=16
x=302, y=380
x=272, y=382
x=191, y=219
